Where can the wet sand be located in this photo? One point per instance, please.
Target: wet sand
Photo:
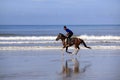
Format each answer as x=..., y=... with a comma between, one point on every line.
x=52, y=65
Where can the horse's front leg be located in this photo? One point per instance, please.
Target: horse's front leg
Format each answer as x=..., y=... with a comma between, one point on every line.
x=68, y=51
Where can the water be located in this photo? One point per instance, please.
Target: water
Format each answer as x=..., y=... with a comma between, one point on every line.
x=97, y=36
x=37, y=64
x=53, y=30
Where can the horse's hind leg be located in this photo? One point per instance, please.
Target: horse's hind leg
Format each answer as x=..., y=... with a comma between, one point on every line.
x=66, y=49
x=76, y=50
x=78, y=47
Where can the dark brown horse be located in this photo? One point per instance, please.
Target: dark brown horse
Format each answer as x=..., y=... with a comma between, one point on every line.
x=74, y=41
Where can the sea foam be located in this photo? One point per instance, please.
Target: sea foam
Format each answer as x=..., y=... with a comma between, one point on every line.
x=108, y=37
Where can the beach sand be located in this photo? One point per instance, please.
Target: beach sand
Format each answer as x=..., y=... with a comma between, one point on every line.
x=53, y=65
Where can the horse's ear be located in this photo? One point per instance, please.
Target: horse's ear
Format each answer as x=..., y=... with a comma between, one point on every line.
x=60, y=33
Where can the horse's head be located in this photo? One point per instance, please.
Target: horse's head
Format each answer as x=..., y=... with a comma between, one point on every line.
x=60, y=36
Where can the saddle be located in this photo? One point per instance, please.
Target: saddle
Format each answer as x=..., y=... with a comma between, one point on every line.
x=69, y=41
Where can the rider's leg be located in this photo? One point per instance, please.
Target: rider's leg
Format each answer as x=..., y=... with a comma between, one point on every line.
x=68, y=39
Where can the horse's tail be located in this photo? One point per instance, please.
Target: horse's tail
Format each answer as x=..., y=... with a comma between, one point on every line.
x=82, y=41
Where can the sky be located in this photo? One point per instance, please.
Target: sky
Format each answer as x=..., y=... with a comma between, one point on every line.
x=59, y=12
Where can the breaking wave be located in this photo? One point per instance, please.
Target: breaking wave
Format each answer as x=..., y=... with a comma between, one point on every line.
x=27, y=42
x=29, y=38
x=48, y=42
x=108, y=37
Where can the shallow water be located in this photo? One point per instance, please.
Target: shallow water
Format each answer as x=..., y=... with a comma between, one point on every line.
x=51, y=64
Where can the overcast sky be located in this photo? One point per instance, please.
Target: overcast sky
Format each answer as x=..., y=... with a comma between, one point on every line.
x=57, y=12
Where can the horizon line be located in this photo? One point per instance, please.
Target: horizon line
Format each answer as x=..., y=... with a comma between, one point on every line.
x=59, y=24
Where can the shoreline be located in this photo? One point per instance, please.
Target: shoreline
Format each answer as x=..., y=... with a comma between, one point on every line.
x=57, y=47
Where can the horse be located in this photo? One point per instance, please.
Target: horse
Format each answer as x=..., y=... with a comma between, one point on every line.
x=73, y=41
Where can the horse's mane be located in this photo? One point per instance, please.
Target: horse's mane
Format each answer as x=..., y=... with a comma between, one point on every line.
x=62, y=34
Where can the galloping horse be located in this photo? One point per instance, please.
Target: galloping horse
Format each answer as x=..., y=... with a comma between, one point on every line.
x=74, y=41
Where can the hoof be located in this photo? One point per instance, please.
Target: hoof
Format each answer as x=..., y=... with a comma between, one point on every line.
x=69, y=52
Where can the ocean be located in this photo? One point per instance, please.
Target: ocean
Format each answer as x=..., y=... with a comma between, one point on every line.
x=30, y=52
x=43, y=36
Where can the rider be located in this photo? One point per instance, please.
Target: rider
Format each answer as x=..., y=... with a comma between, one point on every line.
x=69, y=34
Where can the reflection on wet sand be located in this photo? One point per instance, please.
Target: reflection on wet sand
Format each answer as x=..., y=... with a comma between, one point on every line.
x=70, y=67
